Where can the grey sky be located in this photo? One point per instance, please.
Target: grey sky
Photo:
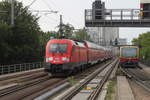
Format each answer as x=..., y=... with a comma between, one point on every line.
x=73, y=12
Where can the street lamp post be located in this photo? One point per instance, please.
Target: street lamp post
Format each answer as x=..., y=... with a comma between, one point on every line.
x=12, y=12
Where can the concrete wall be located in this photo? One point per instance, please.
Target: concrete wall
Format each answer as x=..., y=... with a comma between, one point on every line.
x=110, y=34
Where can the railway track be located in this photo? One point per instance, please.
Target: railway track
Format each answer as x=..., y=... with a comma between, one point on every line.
x=22, y=79
x=31, y=87
x=16, y=88
x=139, y=76
x=24, y=82
x=104, y=72
x=19, y=75
x=23, y=91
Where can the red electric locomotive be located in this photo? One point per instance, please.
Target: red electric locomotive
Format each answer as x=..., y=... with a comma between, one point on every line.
x=65, y=56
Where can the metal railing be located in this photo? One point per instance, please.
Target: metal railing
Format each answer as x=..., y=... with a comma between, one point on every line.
x=6, y=69
x=122, y=14
x=117, y=14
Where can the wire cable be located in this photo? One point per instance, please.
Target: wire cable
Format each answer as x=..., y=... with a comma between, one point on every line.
x=32, y=3
x=47, y=4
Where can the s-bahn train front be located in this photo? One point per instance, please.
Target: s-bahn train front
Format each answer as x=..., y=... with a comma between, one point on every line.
x=57, y=56
x=129, y=56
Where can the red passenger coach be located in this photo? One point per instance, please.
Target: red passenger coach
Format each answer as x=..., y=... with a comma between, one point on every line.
x=95, y=53
x=65, y=56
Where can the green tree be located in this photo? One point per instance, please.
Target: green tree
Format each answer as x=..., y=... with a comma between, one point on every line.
x=135, y=41
x=82, y=35
x=23, y=41
x=67, y=30
x=5, y=41
x=144, y=43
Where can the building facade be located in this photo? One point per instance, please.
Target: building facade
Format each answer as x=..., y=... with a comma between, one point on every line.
x=103, y=35
x=122, y=41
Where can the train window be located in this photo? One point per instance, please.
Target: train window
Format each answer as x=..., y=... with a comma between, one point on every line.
x=76, y=43
x=129, y=52
x=58, y=48
x=81, y=44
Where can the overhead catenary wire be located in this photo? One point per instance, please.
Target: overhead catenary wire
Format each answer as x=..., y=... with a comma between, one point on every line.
x=50, y=8
x=52, y=2
x=27, y=7
x=47, y=4
x=32, y=3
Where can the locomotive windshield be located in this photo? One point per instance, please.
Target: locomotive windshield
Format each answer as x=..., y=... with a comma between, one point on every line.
x=129, y=52
x=58, y=48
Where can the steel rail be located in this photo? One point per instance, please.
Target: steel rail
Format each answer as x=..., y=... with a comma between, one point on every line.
x=22, y=87
x=21, y=80
x=137, y=80
x=53, y=91
x=83, y=84
x=99, y=87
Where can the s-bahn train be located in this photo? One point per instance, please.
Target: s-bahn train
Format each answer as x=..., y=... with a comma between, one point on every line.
x=65, y=56
x=129, y=56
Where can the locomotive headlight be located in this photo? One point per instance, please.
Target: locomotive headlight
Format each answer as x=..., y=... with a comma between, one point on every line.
x=49, y=59
x=65, y=59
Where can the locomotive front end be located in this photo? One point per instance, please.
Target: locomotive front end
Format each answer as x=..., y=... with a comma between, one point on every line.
x=129, y=56
x=57, y=57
